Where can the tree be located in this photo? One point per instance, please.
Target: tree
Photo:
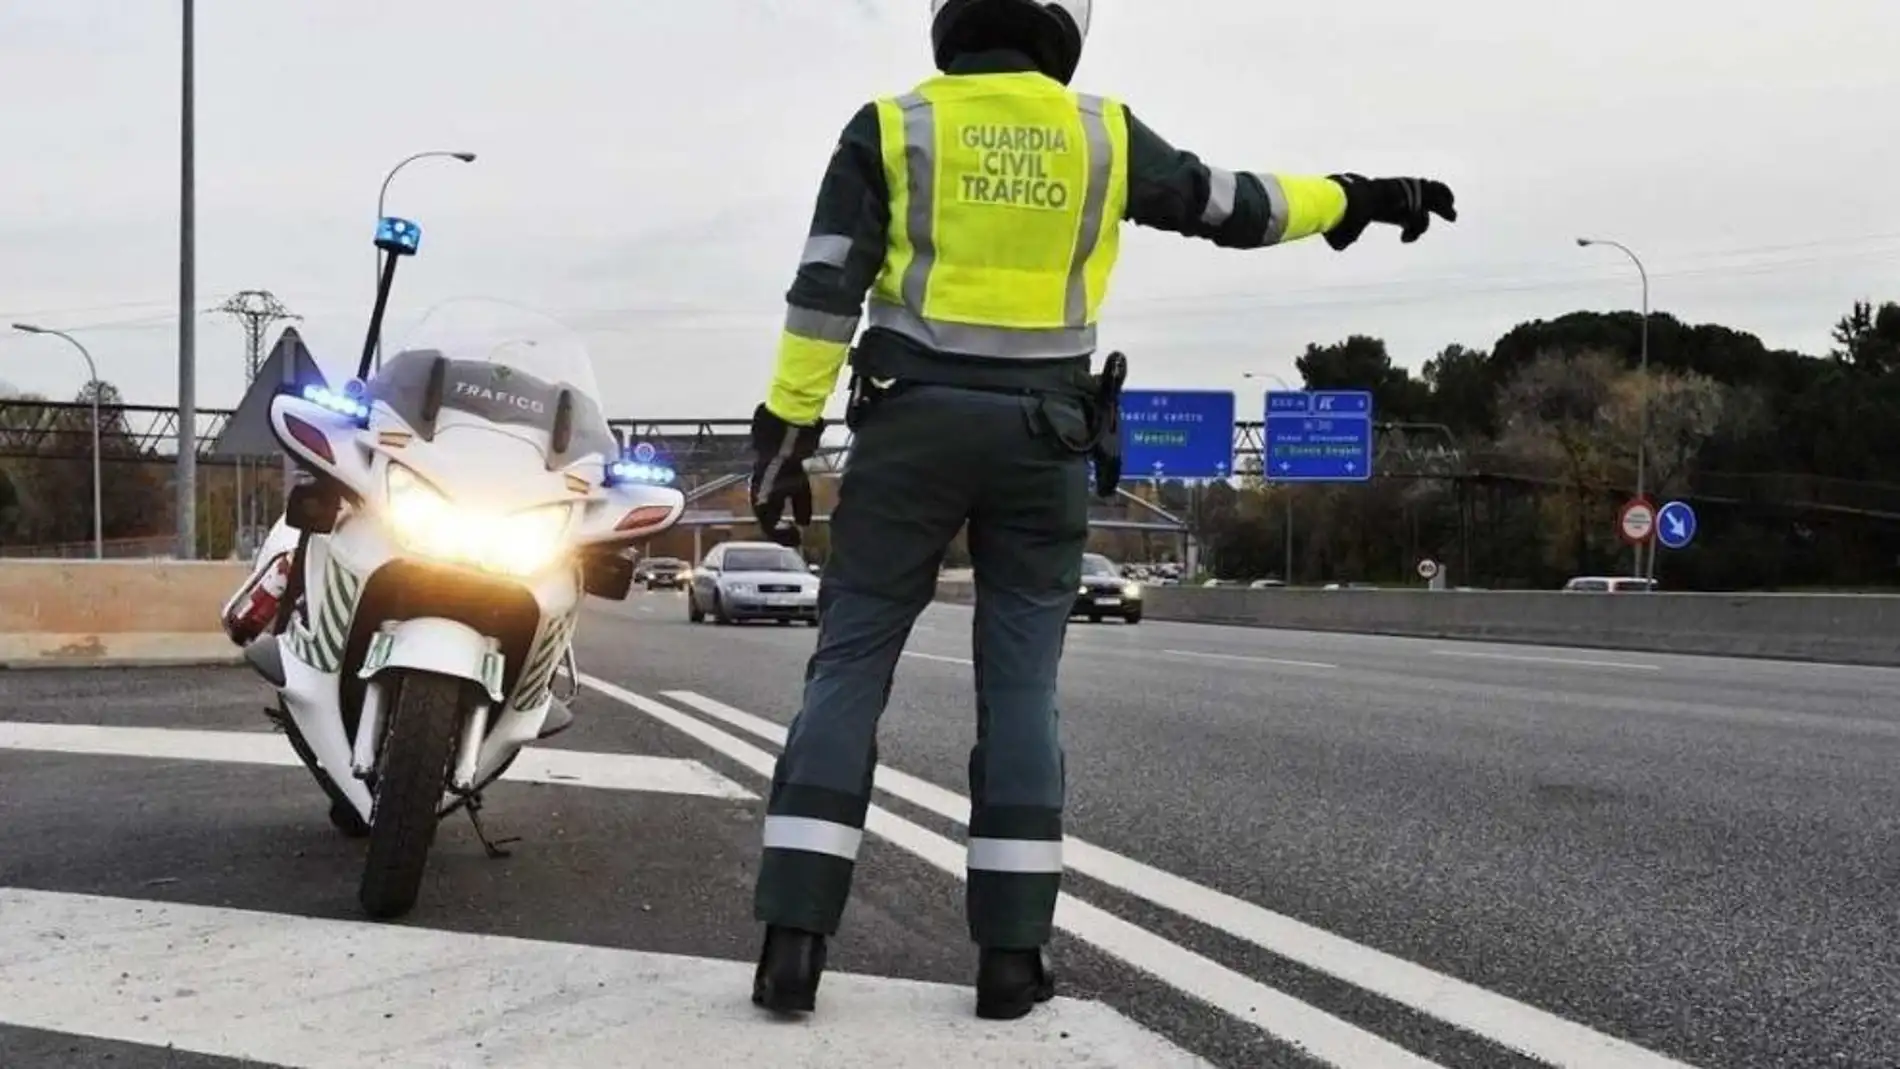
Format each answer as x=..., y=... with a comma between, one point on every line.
x=1558, y=414
x=1463, y=392
x=1867, y=340
x=1684, y=412
x=1362, y=363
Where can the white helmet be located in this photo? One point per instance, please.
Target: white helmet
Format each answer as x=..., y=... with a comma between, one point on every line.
x=1050, y=31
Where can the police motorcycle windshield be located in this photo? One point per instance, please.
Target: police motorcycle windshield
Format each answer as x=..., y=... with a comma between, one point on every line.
x=482, y=376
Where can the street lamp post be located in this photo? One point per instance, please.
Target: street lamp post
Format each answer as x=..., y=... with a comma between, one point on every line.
x=383, y=195
x=1263, y=472
x=98, y=513
x=1642, y=434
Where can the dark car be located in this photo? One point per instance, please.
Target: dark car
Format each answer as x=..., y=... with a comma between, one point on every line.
x=1106, y=592
x=663, y=573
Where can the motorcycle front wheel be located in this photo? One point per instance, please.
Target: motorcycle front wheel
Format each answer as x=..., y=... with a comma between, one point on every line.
x=414, y=766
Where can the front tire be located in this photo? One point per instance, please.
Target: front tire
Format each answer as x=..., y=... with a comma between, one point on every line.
x=694, y=614
x=410, y=778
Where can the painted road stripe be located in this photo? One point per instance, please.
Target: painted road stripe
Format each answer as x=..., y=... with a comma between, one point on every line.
x=1322, y=1035
x=1502, y=1020
x=938, y=657
x=1528, y=659
x=336, y=994
x=1248, y=659
x=564, y=768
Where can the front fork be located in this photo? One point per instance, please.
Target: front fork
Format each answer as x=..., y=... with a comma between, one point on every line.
x=369, y=737
x=369, y=728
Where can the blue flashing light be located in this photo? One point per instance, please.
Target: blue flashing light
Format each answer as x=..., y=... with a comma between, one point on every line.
x=650, y=474
x=341, y=403
x=400, y=236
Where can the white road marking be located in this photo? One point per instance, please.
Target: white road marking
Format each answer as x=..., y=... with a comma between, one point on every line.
x=562, y=768
x=1529, y=659
x=1249, y=659
x=938, y=657
x=1502, y=1020
x=337, y=994
x=1322, y=1035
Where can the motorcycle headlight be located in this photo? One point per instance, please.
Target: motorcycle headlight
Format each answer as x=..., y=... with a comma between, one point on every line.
x=425, y=522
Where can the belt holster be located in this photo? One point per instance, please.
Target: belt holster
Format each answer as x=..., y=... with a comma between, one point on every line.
x=1105, y=449
x=862, y=395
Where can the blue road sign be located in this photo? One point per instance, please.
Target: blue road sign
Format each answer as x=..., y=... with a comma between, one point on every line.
x=1675, y=525
x=1318, y=436
x=1177, y=434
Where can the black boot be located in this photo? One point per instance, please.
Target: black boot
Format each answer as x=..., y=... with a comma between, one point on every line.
x=1009, y=983
x=790, y=965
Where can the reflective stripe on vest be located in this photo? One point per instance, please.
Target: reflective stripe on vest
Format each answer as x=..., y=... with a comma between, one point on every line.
x=1007, y=197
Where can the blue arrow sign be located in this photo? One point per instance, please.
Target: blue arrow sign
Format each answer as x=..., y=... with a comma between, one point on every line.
x=1675, y=525
x=1318, y=436
x=1177, y=434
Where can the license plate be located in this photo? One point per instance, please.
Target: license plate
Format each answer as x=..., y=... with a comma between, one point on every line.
x=1108, y=603
x=781, y=599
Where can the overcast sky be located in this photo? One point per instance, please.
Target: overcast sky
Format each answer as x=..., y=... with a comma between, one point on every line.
x=646, y=170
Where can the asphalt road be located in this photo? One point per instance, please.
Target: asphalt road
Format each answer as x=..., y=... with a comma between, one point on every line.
x=1690, y=854
x=1481, y=855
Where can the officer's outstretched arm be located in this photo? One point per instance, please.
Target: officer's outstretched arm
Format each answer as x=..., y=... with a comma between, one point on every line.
x=1172, y=190
x=841, y=260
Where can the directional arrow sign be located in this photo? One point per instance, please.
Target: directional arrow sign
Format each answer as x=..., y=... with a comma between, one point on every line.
x=1319, y=436
x=1675, y=525
x=1178, y=434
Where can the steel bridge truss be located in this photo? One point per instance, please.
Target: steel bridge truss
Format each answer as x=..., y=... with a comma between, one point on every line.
x=62, y=430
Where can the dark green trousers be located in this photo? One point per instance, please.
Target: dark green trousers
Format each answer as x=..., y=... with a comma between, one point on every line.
x=926, y=461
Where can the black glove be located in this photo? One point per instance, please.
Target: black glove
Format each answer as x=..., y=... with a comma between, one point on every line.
x=778, y=474
x=1402, y=202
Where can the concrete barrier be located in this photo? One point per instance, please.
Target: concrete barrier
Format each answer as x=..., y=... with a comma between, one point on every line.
x=63, y=613
x=1835, y=628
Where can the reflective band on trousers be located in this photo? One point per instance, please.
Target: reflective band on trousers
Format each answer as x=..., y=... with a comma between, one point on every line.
x=923, y=208
x=1015, y=855
x=813, y=836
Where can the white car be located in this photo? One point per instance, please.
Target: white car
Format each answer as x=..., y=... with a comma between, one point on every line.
x=753, y=581
x=1609, y=584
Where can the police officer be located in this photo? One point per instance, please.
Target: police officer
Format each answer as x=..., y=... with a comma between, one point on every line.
x=981, y=214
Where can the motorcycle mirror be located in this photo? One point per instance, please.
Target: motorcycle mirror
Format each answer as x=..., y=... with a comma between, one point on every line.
x=432, y=394
x=563, y=423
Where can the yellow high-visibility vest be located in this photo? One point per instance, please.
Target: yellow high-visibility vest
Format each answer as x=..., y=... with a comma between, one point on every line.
x=1007, y=197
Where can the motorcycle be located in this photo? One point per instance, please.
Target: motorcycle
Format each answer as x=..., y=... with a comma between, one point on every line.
x=450, y=513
